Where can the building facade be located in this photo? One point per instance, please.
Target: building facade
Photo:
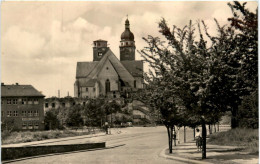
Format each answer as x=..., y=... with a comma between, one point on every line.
x=108, y=76
x=66, y=102
x=21, y=107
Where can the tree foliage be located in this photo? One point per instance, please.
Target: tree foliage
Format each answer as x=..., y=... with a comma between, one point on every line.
x=192, y=81
x=74, y=118
x=51, y=120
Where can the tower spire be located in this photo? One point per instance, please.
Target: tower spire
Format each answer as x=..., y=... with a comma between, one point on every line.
x=127, y=24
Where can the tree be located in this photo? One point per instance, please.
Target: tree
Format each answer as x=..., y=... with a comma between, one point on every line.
x=51, y=120
x=248, y=111
x=110, y=108
x=245, y=25
x=74, y=118
x=193, y=78
x=94, y=113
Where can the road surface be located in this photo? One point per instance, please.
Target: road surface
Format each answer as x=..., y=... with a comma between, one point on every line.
x=131, y=146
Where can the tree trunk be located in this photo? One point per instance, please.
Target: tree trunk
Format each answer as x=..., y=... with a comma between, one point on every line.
x=178, y=136
x=210, y=130
x=169, y=138
x=218, y=126
x=171, y=132
x=215, y=128
x=184, y=134
x=194, y=133
x=174, y=135
x=234, y=121
x=204, y=139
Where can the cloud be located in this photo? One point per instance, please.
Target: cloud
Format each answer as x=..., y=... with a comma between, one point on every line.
x=17, y=42
x=42, y=41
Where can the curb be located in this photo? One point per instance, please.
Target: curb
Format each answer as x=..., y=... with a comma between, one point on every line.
x=53, y=140
x=10, y=153
x=162, y=154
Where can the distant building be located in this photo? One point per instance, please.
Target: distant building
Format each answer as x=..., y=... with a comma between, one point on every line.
x=107, y=75
x=66, y=102
x=21, y=107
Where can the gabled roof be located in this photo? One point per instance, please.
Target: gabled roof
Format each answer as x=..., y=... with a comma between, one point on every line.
x=19, y=90
x=118, y=66
x=84, y=68
x=134, y=67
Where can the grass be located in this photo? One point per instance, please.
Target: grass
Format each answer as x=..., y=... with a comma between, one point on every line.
x=247, y=138
x=29, y=136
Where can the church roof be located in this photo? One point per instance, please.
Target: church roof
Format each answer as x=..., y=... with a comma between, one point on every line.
x=134, y=67
x=118, y=66
x=84, y=68
x=91, y=69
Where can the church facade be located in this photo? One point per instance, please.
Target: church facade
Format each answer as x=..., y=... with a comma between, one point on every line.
x=108, y=76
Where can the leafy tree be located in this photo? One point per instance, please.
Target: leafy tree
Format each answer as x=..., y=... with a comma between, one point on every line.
x=50, y=120
x=94, y=112
x=110, y=108
x=248, y=111
x=245, y=25
x=74, y=118
x=7, y=125
x=62, y=115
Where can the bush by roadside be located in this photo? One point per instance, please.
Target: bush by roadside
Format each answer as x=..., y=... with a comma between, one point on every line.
x=247, y=138
x=29, y=136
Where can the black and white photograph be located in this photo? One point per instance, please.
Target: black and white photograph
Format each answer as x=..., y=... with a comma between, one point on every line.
x=129, y=82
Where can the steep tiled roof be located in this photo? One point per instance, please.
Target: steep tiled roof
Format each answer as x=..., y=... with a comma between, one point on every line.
x=84, y=68
x=134, y=67
x=19, y=90
x=91, y=69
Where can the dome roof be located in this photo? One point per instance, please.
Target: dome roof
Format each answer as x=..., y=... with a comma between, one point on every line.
x=127, y=34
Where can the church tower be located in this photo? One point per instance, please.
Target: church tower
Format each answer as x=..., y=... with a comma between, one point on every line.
x=99, y=49
x=127, y=44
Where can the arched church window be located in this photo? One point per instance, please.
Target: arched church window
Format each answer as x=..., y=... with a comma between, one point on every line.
x=107, y=86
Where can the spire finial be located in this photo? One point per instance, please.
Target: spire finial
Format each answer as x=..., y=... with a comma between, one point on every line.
x=127, y=22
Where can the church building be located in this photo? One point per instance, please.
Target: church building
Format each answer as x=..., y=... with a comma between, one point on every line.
x=108, y=76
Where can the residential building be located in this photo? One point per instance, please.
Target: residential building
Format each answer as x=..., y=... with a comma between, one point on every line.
x=21, y=107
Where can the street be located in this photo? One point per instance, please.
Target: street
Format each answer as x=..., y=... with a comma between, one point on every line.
x=132, y=145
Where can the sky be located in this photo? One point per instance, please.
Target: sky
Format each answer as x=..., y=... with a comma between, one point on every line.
x=41, y=42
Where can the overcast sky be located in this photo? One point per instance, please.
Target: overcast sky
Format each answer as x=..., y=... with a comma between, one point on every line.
x=41, y=42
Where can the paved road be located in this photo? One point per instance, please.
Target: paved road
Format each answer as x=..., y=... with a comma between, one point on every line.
x=132, y=146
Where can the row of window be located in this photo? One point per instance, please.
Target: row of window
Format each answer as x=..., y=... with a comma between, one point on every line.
x=30, y=125
x=127, y=43
x=23, y=113
x=53, y=105
x=23, y=101
x=94, y=89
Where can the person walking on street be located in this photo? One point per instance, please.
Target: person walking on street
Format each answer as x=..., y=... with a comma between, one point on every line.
x=198, y=138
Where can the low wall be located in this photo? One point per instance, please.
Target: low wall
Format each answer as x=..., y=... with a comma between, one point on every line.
x=20, y=152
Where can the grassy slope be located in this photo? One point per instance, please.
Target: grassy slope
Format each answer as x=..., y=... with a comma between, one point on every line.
x=247, y=138
x=20, y=137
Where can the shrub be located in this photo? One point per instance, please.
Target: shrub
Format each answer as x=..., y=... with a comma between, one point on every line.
x=248, y=111
x=247, y=138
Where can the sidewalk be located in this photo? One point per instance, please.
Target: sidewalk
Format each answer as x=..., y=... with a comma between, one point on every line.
x=216, y=154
